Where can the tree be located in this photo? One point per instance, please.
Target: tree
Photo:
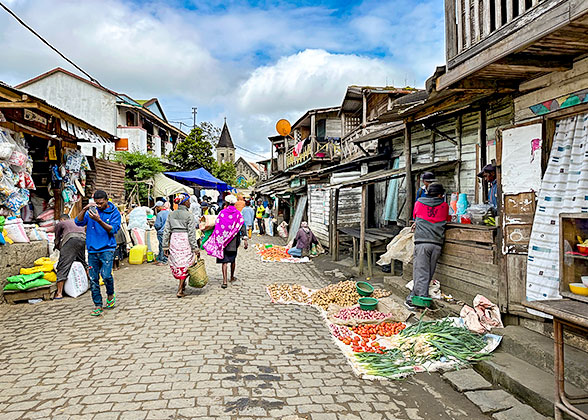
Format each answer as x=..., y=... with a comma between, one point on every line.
x=226, y=172
x=210, y=132
x=138, y=167
x=196, y=150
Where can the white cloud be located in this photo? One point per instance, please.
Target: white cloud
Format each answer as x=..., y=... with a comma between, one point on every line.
x=310, y=79
x=253, y=65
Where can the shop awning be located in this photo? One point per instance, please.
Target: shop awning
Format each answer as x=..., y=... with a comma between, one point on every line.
x=164, y=186
x=386, y=174
x=200, y=177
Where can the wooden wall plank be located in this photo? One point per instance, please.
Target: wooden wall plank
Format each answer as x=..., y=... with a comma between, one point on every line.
x=467, y=24
x=460, y=35
x=450, y=29
x=472, y=235
x=486, y=18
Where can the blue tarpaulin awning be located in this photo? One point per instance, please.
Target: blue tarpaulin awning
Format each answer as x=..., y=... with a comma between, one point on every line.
x=200, y=177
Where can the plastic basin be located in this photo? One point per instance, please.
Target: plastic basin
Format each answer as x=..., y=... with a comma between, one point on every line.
x=579, y=289
x=364, y=288
x=422, y=301
x=368, y=303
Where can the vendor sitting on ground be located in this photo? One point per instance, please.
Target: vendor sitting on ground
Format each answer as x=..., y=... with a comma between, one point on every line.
x=70, y=240
x=303, y=241
x=431, y=214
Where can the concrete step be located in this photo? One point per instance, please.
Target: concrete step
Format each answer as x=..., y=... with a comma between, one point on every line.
x=538, y=350
x=528, y=383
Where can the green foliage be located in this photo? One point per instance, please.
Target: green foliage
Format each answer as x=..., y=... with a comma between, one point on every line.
x=210, y=132
x=226, y=172
x=196, y=150
x=138, y=167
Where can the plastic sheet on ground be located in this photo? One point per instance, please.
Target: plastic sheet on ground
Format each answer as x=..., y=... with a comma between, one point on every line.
x=284, y=257
x=492, y=340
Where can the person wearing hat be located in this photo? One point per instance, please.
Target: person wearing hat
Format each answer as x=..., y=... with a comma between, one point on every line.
x=427, y=178
x=180, y=242
x=160, y=221
x=431, y=214
x=488, y=172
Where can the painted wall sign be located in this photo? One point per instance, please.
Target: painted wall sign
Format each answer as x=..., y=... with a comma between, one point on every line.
x=565, y=101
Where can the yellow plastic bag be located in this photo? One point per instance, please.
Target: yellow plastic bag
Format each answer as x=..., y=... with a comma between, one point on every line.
x=7, y=238
x=37, y=269
x=44, y=261
x=50, y=276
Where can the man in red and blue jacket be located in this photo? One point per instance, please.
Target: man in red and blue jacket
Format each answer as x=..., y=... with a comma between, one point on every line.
x=431, y=214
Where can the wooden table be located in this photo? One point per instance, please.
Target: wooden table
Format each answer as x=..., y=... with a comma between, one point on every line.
x=572, y=314
x=373, y=236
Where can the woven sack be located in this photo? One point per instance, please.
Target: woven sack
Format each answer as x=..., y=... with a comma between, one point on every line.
x=197, y=274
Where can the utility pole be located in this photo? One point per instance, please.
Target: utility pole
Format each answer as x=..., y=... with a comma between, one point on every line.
x=194, y=112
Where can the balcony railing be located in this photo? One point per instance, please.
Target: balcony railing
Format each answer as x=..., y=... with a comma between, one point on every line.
x=468, y=22
x=313, y=151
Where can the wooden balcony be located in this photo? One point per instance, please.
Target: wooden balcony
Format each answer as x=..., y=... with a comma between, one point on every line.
x=512, y=39
x=314, y=151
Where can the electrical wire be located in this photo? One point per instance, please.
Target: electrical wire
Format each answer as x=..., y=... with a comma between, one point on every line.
x=88, y=75
x=44, y=41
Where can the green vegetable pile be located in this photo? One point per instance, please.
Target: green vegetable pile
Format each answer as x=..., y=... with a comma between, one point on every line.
x=422, y=342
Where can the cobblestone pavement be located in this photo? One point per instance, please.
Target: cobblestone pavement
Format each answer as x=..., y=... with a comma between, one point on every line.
x=226, y=354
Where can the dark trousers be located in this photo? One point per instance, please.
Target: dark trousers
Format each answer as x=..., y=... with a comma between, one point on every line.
x=261, y=226
x=71, y=251
x=424, y=265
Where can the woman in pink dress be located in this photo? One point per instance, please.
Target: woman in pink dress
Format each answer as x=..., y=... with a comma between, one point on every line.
x=179, y=241
x=224, y=242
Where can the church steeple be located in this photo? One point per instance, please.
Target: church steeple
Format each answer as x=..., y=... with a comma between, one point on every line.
x=225, y=149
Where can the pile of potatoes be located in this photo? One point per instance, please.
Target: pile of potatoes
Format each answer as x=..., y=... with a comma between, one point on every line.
x=288, y=292
x=343, y=294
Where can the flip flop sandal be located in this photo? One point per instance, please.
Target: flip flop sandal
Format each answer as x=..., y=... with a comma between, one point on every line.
x=110, y=304
x=96, y=312
x=224, y=286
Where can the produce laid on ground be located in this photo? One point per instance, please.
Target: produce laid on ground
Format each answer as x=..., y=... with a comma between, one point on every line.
x=356, y=313
x=423, y=344
x=375, y=344
x=273, y=253
x=343, y=293
x=289, y=293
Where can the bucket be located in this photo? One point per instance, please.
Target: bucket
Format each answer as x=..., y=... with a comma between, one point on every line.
x=150, y=257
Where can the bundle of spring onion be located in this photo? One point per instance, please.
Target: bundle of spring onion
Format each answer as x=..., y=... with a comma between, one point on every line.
x=422, y=342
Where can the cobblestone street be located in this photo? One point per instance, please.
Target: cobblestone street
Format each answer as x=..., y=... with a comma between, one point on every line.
x=227, y=354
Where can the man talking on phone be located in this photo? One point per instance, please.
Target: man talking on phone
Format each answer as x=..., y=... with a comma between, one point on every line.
x=102, y=219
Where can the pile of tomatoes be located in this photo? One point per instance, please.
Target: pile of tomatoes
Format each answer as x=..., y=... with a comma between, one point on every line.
x=384, y=329
x=362, y=345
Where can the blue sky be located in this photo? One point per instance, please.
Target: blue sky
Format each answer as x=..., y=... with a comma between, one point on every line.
x=251, y=61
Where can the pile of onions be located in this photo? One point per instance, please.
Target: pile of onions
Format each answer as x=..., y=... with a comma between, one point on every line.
x=356, y=313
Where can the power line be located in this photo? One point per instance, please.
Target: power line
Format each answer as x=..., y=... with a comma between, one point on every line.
x=44, y=41
x=249, y=151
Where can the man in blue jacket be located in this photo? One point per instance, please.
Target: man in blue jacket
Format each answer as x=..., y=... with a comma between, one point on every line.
x=102, y=221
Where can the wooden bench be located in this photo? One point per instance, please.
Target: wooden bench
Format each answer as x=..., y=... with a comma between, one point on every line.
x=376, y=241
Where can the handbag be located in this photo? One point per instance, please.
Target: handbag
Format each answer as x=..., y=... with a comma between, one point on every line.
x=197, y=274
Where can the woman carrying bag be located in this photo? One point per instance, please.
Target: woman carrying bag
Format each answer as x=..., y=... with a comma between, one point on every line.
x=226, y=237
x=180, y=243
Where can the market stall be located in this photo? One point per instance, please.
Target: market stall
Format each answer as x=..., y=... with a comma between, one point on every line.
x=381, y=339
x=42, y=175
